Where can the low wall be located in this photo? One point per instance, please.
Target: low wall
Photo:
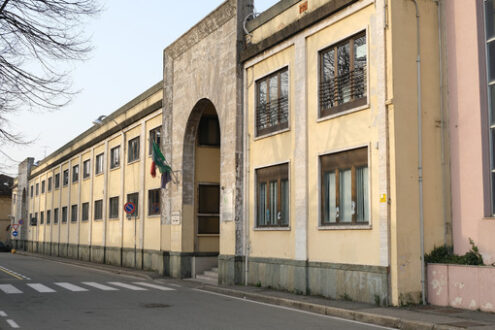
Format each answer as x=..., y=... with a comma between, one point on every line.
x=462, y=286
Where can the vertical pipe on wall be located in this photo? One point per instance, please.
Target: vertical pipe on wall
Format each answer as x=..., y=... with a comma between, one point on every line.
x=420, y=157
x=246, y=137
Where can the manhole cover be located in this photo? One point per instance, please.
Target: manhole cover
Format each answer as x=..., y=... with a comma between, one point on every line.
x=155, y=305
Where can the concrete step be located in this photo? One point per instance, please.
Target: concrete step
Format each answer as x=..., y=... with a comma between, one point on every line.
x=210, y=273
x=215, y=269
x=207, y=279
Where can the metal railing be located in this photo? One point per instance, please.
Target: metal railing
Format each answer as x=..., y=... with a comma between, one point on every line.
x=343, y=89
x=272, y=114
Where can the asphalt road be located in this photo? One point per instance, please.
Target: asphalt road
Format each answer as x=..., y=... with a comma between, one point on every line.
x=38, y=293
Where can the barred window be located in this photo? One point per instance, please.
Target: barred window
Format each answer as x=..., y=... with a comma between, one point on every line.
x=344, y=188
x=343, y=75
x=273, y=196
x=133, y=150
x=272, y=102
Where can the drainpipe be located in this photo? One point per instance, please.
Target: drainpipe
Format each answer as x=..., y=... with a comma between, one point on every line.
x=420, y=159
x=246, y=138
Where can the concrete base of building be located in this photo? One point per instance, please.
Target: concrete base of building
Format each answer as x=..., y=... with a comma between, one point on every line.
x=361, y=283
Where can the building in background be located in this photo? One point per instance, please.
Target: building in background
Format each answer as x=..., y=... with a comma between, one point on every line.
x=293, y=141
x=6, y=200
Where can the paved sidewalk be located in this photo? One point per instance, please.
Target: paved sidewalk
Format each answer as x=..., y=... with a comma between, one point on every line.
x=410, y=317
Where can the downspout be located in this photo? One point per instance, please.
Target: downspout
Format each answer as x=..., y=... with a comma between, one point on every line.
x=420, y=158
x=246, y=138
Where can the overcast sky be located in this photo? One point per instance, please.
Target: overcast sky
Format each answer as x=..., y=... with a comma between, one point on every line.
x=129, y=38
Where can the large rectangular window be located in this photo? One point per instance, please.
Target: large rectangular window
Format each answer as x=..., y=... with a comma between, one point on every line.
x=66, y=177
x=343, y=75
x=154, y=202
x=209, y=209
x=73, y=213
x=99, y=164
x=57, y=180
x=133, y=150
x=155, y=134
x=55, y=215
x=113, y=207
x=75, y=173
x=490, y=61
x=272, y=102
x=64, y=214
x=86, y=169
x=344, y=188
x=99, y=209
x=115, y=157
x=134, y=198
x=85, y=212
x=209, y=131
x=273, y=197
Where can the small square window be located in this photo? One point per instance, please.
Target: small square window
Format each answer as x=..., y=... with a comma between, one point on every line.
x=133, y=150
x=154, y=202
x=113, y=210
x=115, y=157
x=99, y=209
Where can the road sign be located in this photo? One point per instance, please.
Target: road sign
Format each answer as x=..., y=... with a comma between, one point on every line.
x=15, y=227
x=14, y=233
x=21, y=222
x=129, y=207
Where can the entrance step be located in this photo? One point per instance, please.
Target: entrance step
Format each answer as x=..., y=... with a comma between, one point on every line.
x=209, y=276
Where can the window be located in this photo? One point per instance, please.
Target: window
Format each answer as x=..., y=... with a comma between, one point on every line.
x=64, y=214
x=55, y=215
x=73, y=213
x=209, y=131
x=85, y=212
x=32, y=189
x=115, y=157
x=99, y=164
x=154, y=202
x=48, y=215
x=75, y=173
x=154, y=137
x=66, y=177
x=344, y=188
x=273, y=196
x=57, y=180
x=113, y=210
x=209, y=209
x=37, y=189
x=133, y=153
x=98, y=209
x=134, y=198
x=272, y=102
x=343, y=75
x=86, y=169
x=42, y=217
x=43, y=186
x=49, y=184
x=490, y=61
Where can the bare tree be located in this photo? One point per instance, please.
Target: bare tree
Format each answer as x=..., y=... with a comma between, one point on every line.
x=36, y=36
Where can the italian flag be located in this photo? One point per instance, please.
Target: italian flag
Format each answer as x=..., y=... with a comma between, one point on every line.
x=160, y=162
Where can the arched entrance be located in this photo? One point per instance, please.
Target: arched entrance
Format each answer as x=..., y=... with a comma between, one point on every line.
x=201, y=180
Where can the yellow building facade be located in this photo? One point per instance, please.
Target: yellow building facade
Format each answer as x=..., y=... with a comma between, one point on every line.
x=293, y=142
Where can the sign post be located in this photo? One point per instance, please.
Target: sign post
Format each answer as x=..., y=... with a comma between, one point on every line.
x=130, y=209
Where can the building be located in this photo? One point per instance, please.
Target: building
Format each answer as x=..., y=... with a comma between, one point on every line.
x=6, y=200
x=293, y=141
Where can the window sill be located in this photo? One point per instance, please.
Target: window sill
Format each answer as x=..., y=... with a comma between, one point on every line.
x=272, y=229
x=492, y=218
x=343, y=113
x=98, y=174
x=98, y=220
x=113, y=219
x=271, y=134
x=345, y=227
x=114, y=168
x=154, y=216
x=87, y=178
x=208, y=235
x=133, y=161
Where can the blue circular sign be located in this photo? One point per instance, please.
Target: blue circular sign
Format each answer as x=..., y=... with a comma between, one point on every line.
x=15, y=233
x=129, y=208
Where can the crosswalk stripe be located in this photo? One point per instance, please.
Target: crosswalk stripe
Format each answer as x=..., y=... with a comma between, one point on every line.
x=70, y=287
x=154, y=286
x=128, y=286
x=100, y=286
x=9, y=289
x=40, y=287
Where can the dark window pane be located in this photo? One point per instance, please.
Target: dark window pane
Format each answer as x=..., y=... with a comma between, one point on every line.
x=85, y=212
x=98, y=209
x=134, y=198
x=154, y=202
x=489, y=18
x=208, y=225
x=73, y=213
x=113, y=207
x=209, y=199
x=209, y=131
x=491, y=60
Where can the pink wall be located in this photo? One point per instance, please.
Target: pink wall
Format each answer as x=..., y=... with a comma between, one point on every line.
x=466, y=108
x=468, y=287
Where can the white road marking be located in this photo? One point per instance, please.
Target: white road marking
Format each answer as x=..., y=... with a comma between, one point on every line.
x=3, y=314
x=11, y=271
x=40, y=287
x=9, y=289
x=12, y=323
x=100, y=286
x=128, y=286
x=294, y=309
x=154, y=286
x=70, y=287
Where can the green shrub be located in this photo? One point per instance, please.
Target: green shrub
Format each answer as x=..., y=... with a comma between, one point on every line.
x=445, y=255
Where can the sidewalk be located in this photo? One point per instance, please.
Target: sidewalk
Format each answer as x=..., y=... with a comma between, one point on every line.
x=410, y=317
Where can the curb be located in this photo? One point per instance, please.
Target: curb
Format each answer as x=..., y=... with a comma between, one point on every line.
x=102, y=267
x=381, y=320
